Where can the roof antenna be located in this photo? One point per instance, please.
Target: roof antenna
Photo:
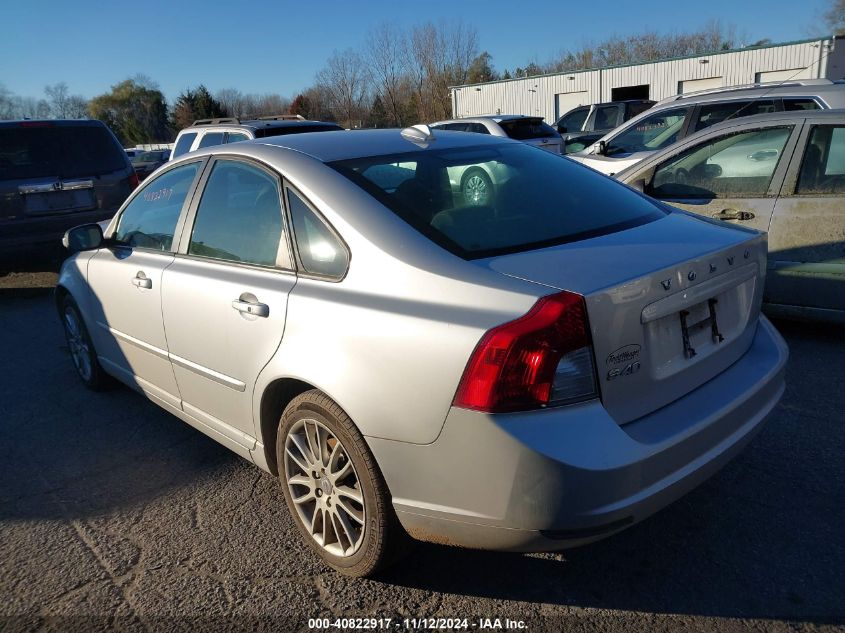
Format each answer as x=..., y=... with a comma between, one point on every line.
x=420, y=134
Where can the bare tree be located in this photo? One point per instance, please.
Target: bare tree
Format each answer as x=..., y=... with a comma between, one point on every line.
x=644, y=47
x=385, y=53
x=835, y=17
x=57, y=96
x=345, y=81
x=440, y=56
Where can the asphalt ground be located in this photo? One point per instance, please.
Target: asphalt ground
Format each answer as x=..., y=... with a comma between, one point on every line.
x=115, y=515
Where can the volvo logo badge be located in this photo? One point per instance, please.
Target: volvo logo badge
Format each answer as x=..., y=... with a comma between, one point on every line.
x=747, y=254
x=666, y=283
x=712, y=268
x=691, y=275
x=731, y=260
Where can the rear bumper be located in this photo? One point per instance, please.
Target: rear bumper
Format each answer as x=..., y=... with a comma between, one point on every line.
x=23, y=235
x=563, y=477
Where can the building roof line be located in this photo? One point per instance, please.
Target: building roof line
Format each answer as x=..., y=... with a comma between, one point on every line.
x=654, y=61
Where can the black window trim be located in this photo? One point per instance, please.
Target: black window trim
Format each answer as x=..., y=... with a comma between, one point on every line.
x=300, y=269
x=190, y=215
x=180, y=222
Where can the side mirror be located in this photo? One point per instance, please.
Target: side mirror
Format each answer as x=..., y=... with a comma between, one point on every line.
x=601, y=148
x=83, y=238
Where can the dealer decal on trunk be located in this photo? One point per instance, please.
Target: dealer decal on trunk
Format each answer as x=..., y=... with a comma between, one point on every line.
x=624, y=361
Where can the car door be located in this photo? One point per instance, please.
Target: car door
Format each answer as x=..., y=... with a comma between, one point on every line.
x=807, y=233
x=125, y=281
x=732, y=175
x=224, y=298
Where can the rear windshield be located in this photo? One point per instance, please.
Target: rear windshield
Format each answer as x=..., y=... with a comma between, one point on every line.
x=294, y=129
x=489, y=200
x=525, y=129
x=64, y=151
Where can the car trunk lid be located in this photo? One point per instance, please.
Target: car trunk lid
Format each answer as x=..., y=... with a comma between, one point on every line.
x=671, y=304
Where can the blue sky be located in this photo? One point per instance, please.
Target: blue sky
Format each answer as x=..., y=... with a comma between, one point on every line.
x=279, y=46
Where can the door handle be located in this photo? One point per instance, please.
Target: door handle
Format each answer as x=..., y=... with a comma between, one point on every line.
x=255, y=309
x=733, y=214
x=141, y=281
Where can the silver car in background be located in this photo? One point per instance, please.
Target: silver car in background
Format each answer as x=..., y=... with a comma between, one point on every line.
x=528, y=375
x=782, y=173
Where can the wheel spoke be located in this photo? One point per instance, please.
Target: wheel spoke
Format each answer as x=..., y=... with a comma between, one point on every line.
x=352, y=493
x=343, y=472
x=313, y=442
x=345, y=528
x=300, y=480
x=325, y=529
x=296, y=440
x=303, y=467
x=354, y=513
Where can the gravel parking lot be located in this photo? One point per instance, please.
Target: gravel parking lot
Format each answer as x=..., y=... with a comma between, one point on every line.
x=113, y=514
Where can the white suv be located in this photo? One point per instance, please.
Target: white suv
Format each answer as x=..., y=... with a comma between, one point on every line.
x=208, y=132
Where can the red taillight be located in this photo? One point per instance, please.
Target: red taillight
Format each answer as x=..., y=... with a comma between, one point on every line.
x=133, y=181
x=35, y=124
x=516, y=366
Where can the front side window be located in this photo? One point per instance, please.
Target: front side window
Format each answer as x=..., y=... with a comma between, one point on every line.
x=823, y=165
x=574, y=121
x=529, y=199
x=606, y=117
x=320, y=251
x=150, y=219
x=211, y=138
x=714, y=113
x=183, y=145
x=651, y=133
x=738, y=165
x=239, y=218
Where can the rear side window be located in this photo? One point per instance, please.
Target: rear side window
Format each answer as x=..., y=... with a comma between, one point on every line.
x=239, y=218
x=295, y=129
x=150, y=219
x=714, y=113
x=63, y=151
x=792, y=105
x=823, y=166
x=183, y=145
x=236, y=137
x=482, y=201
x=739, y=165
x=650, y=133
x=211, y=138
x=320, y=251
x=526, y=129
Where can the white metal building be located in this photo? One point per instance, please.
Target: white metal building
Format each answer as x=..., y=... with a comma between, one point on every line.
x=552, y=95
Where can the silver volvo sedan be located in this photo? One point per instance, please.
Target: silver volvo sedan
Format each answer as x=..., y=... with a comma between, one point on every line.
x=529, y=374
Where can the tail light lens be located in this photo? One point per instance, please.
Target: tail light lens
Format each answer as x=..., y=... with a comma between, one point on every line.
x=133, y=181
x=544, y=358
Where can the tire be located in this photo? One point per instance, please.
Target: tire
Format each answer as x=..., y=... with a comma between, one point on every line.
x=476, y=187
x=81, y=347
x=361, y=534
